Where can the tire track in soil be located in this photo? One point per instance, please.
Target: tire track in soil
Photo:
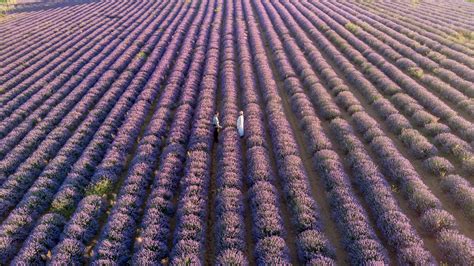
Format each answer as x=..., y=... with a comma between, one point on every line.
x=174, y=218
x=316, y=185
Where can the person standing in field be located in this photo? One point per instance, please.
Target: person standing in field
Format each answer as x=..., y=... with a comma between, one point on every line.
x=217, y=126
x=240, y=124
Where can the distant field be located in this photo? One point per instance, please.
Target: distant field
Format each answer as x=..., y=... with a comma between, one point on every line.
x=4, y=6
x=358, y=145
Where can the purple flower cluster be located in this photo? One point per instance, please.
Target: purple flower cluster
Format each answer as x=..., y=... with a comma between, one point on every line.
x=152, y=244
x=458, y=148
x=40, y=241
x=423, y=201
x=118, y=235
x=438, y=23
x=430, y=102
x=452, y=72
x=461, y=191
x=416, y=143
x=46, y=138
x=34, y=83
x=106, y=137
x=190, y=232
x=77, y=98
x=32, y=37
x=311, y=242
x=79, y=230
x=326, y=156
x=30, y=110
x=230, y=238
x=395, y=225
x=415, y=31
x=70, y=192
x=361, y=243
x=422, y=95
x=391, y=50
x=457, y=248
x=44, y=70
x=420, y=198
x=268, y=230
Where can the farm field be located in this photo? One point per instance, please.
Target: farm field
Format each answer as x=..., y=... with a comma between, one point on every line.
x=358, y=145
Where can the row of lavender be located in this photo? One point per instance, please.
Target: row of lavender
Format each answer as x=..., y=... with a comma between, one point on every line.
x=449, y=26
x=420, y=28
x=66, y=89
x=418, y=144
x=34, y=29
x=76, y=176
x=424, y=121
x=29, y=158
x=118, y=235
x=365, y=247
x=449, y=240
x=30, y=63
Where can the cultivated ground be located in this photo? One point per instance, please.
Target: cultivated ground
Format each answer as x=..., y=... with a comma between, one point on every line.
x=358, y=146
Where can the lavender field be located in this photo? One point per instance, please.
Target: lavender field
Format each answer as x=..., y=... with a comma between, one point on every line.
x=358, y=145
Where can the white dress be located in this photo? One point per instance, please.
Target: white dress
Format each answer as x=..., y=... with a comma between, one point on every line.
x=215, y=121
x=240, y=125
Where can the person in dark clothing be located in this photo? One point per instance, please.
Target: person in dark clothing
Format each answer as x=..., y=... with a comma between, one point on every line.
x=217, y=126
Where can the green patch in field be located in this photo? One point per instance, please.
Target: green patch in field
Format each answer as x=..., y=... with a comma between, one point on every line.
x=395, y=188
x=142, y=55
x=352, y=27
x=63, y=207
x=462, y=37
x=416, y=72
x=101, y=188
x=436, y=56
x=415, y=3
x=5, y=6
x=324, y=28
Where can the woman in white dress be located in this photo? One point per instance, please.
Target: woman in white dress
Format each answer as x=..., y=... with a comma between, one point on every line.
x=240, y=124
